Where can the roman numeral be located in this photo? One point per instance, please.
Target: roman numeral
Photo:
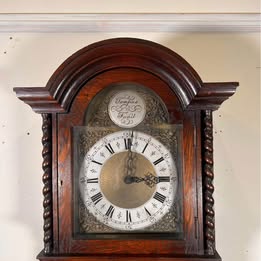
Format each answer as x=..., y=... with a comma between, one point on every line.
x=110, y=211
x=96, y=162
x=128, y=216
x=147, y=211
x=109, y=148
x=164, y=179
x=128, y=144
x=145, y=148
x=159, y=197
x=97, y=198
x=95, y=180
x=158, y=161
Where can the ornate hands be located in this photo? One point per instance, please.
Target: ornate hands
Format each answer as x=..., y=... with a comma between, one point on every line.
x=130, y=164
x=149, y=179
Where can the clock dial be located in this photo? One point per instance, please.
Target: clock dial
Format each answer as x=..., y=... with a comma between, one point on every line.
x=128, y=180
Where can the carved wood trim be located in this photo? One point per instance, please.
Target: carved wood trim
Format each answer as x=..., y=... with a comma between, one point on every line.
x=133, y=257
x=47, y=181
x=110, y=54
x=212, y=95
x=129, y=22
x=39, y=99
x=208, y=187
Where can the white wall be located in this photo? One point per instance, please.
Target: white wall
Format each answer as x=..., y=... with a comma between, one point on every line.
x=120, y=6
x=28, y=59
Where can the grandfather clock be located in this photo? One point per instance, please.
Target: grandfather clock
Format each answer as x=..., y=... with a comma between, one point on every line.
x=127, y=155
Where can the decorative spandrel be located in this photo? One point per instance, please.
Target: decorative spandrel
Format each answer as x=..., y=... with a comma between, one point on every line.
x=130, y=189
x=171, y=222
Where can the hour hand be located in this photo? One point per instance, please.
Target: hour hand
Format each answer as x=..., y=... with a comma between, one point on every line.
x=137, y=179
x=149, y=179
x=132, y=179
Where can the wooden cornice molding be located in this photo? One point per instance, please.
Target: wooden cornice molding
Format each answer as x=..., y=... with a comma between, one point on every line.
x=130, y=22
x=39, y=99
x=111, y=54
x=212, y=95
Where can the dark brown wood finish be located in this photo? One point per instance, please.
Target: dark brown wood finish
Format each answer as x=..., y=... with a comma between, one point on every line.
x=55, y=184
x=47, y=181
x=133, y=257
x=78, y=69
x=208, y=187
x=75, y=118
x=63, y=103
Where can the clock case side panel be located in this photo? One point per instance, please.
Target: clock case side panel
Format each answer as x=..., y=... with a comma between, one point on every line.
x=204, y=177
x=56, y=184
x=193, y=182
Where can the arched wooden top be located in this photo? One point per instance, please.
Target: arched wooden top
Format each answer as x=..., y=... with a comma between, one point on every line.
x=111, y=54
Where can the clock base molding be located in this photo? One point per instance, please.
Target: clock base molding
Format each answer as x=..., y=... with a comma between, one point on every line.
x=43, y=257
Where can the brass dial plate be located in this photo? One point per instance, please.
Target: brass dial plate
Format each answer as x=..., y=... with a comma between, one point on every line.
x=116, y=190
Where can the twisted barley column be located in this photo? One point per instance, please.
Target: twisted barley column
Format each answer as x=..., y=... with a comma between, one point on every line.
x=208, y=188
x=47, y=181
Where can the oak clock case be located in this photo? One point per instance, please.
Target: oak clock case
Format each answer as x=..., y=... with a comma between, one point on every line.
x=127, y=155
